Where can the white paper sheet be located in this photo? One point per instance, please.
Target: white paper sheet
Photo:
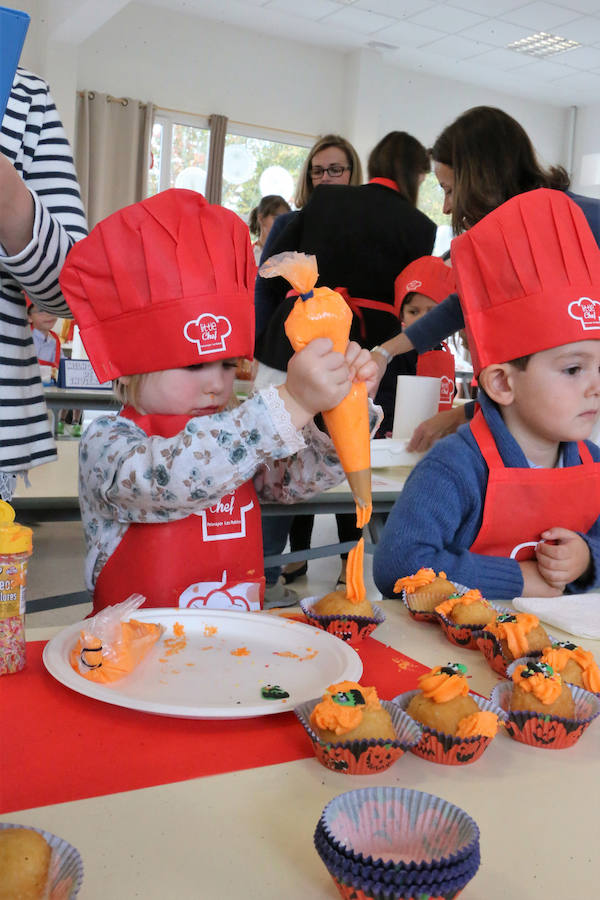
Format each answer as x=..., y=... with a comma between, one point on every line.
x=578, y=614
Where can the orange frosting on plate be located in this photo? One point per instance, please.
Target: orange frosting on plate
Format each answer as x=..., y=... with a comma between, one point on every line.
x=546, y=686
x=515, y=633
x=441, y=686
x=484, y=724
x=558, y=657
x=411, y=583
x=467, y=599
x=342, y=717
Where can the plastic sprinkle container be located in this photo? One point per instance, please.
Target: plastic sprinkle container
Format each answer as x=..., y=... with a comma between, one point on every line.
x=15, y=549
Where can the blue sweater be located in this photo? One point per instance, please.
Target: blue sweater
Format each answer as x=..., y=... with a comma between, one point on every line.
x=438, y=515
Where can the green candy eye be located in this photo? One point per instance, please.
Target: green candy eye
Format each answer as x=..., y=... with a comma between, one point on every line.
x=348, y=698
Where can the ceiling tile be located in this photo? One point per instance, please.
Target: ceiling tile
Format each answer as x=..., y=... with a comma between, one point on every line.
x=585, y=29
x=583, y=6
x=540, y=16
x=456, y=47
x=308, y=9
x=396, y=9
x=491, y=7
x=357, y=19
x=407, y=33
x=503, y=60
x=546, y=70
x=495, y=32
x=447, y=18
x=585, y=58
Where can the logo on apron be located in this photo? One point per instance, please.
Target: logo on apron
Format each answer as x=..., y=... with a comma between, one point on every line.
x=224, y=521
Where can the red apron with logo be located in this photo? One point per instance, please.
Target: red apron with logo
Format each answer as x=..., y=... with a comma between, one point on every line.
x=439, y=364
x=522, y=503
x=210, y=559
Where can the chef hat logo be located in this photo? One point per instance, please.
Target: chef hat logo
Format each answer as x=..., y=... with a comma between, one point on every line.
x=587, y=311
x=446, y=388
x=413, y=285
x=208, y=332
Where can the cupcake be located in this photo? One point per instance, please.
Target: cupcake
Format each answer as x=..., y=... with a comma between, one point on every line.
x=348, y=614
x=462, y=616
x=354, y=732
x=541, y=709
x=37, y=863
x=574, y=664
x=457, y=727
x=423, y=591
x=510, y=636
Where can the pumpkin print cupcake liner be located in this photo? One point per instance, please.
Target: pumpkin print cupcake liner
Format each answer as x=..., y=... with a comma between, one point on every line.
x=491, y=648
x=352, y=629
x=462, y=635
x=362, y=757
x=65, y=874
x=387, y=842
x=351, y=893
x=445, y=749
x=548, y=732
x=422, y=615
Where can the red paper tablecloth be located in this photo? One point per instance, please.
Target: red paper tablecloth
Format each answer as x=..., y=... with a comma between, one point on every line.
x=57, y=745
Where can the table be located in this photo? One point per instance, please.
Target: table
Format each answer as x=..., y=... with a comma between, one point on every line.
x=249, y=834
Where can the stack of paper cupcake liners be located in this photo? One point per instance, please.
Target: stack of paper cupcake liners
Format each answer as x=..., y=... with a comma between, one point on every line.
x=388, y=843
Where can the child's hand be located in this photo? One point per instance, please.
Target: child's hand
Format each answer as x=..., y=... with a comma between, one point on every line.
x=317, y=379
x=362, y=367
x=534, y=583
x=562, y=556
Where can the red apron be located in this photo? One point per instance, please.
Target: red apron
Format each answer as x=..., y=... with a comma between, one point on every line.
x=522, y=503
x=212, y=558
x=439, y=364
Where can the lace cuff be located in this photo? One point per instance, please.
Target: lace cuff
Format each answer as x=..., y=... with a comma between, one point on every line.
x=281, y=419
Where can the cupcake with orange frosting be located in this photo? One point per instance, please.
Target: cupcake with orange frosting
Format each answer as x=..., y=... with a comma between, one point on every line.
x=462, y=616
x=457, y=726
x=423, y=591
x=574, y=664
x=348, y=614
x=542, y=710
x=510, y=636
x=354, y=732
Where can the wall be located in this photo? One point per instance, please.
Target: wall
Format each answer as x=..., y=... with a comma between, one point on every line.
x=587, y=151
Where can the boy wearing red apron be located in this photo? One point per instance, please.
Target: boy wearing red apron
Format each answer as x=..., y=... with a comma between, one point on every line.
x=162, y=292
x=511, y=503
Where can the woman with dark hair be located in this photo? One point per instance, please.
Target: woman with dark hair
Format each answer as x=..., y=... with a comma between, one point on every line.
x=261, y=218
x=481, y=160
x=362, y=238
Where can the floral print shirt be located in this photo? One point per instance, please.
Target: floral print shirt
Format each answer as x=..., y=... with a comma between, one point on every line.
x=126, y=476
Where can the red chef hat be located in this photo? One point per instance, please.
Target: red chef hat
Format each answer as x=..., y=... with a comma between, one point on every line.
x=163, y=284
x=528, y=277
x=428, y=275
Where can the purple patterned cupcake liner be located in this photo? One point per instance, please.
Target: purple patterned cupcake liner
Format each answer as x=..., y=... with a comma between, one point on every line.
x=491, y=648
x=445, y=749
x=546, y=731
x=399, y=829
x=464, y=635
x=352, y=629
x=364, y=757
x=65, y=875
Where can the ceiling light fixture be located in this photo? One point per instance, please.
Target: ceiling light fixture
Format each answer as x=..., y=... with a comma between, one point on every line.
x=543, y=44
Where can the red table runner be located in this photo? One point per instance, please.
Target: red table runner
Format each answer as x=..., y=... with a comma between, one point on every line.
x=57, y=745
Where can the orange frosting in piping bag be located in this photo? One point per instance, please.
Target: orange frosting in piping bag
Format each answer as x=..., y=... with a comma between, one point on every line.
x=546, y=687
x=515, y=633
x=321, y=312
x=440, y=686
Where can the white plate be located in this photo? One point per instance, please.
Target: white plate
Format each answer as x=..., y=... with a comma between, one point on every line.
x=391, y=452
x=205, y=680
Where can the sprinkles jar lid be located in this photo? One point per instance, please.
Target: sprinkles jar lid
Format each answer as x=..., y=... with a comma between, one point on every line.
x=14, y=538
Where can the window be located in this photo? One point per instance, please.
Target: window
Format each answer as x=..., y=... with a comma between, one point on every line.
x=431, y=201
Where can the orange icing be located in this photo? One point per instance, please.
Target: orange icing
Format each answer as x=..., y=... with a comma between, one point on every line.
x=241, y=651
x=441, y=687
x=331, y=716
x=325, y=313
x=484, y=723
x=137, y=638
x=355, y=585
x=558, y=657
x=178, y=629
x=465, y=600
x=547, y=688
x=411, y=583
x=209, y=630
x=515, y=633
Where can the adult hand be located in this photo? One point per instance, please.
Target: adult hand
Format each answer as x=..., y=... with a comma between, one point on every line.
x=317, y=379
x=430, y=431
x=562, y=556
x=16, y=209
x=534, y=583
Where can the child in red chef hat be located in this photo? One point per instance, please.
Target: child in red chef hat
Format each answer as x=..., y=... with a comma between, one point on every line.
x=162, y=292
x=510, y=503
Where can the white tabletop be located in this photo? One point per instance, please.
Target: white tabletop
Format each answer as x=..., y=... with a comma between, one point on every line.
x=250, y=833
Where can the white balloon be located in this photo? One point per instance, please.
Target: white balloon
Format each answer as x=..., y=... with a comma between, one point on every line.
x=276, y=180
x=193, y=178
x=238, y=164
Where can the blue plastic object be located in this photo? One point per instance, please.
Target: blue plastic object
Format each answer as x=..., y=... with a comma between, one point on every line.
x=13, y=28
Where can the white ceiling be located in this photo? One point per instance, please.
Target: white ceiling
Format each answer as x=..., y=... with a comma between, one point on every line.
x=462, y=39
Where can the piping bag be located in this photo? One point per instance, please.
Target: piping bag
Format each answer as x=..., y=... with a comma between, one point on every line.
x=321, y=312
